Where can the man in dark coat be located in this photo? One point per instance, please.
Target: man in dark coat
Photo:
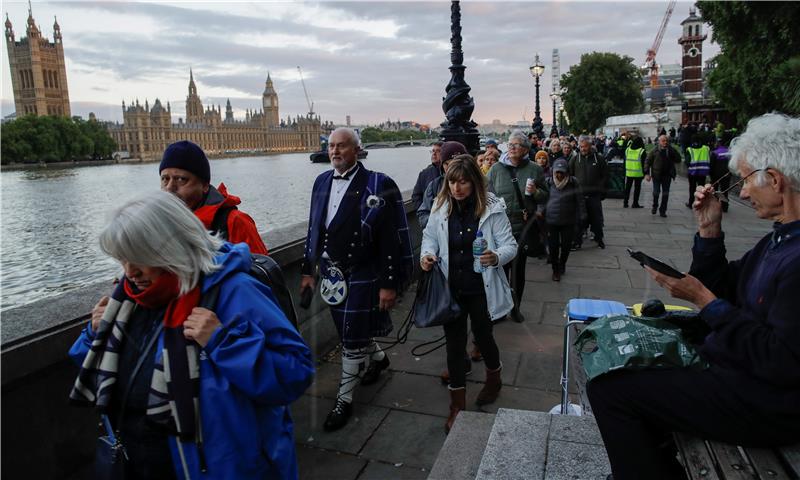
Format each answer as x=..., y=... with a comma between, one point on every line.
x=750, y=393
x=660, y=167
x=427, y=175
x=359, y=240
x=591, y=170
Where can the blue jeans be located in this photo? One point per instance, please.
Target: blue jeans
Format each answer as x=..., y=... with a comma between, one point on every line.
x=661, y=187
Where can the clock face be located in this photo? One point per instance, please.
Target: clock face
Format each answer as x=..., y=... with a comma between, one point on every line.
x=693, y=52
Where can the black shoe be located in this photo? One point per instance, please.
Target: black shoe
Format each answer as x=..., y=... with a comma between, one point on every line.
x=663, y=214
x=624, y=205
x=374, y=370
x=337, y=418
x=635, y=205
x=575, y=246
x=653, y=210
x=601, y=244
x=688, y=205
x=516, y=315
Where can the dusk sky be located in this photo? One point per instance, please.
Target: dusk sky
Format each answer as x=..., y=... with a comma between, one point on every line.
x=369, y=60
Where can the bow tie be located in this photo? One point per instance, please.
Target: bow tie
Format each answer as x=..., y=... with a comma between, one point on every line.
x=346, y=176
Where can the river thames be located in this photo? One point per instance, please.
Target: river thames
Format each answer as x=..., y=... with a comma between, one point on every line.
x=51, y=217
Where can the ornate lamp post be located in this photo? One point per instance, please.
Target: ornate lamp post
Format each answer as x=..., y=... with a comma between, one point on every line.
x=553, y=130
x=563, y=128
x=537, y=69
x=457, y=104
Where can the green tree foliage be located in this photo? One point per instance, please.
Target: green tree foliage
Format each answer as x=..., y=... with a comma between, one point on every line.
x=373, y=135
x=758, y=69
x=32, y=139
x=600, y=86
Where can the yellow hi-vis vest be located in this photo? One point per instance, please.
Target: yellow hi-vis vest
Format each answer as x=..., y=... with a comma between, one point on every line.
x=699, y=161
x=633, y=162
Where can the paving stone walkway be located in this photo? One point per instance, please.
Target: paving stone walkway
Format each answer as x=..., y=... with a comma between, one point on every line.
x=397, y=427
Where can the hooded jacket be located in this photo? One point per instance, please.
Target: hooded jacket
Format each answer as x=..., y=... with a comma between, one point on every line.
x=252, y=368
x=240, y=226
x=497, y=231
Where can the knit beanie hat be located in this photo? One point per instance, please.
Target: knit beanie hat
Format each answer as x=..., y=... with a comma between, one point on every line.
x=187, y=156
x=451, y=149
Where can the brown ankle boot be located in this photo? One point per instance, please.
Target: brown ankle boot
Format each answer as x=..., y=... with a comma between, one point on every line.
x=492, y=387
x=458, y=402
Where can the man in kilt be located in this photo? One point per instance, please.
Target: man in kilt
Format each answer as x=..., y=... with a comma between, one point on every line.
x=358, y=238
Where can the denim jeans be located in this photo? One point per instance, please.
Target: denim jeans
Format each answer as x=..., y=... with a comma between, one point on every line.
x=661, y=187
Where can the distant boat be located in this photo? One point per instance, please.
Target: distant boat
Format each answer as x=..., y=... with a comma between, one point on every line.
x=322, y=156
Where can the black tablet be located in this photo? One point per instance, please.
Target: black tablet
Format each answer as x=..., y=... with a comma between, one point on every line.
x=657, y=265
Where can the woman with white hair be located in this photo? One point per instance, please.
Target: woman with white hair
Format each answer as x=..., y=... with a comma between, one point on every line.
x=750, y=394
x=520, y=183
x=189, y=390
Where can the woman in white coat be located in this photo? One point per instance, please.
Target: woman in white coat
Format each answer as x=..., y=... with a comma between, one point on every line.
x=463, y=208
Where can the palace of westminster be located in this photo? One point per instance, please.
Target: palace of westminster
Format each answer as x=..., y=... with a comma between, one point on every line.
x=39, y=81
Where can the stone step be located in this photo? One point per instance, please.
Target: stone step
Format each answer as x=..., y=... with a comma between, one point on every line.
x=536, y=445
x=462, y=450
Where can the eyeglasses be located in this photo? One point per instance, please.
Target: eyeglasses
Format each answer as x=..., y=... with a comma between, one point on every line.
x=721, y=195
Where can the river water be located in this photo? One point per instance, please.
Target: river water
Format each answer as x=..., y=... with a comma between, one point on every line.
x=50, y=218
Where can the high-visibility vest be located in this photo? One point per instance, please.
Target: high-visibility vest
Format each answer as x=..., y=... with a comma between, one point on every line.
x=699, y=161
x=633, y=162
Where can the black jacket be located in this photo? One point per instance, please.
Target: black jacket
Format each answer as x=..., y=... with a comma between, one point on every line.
x=659, y=167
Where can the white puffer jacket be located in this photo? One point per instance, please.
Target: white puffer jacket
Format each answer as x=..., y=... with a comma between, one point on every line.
x=497, y=231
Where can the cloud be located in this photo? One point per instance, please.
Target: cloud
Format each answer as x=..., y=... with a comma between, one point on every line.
x=370, y=60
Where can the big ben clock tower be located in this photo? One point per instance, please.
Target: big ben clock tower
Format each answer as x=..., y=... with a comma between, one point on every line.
x=692, y=45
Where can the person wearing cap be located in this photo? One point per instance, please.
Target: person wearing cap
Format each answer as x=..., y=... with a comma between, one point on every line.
x=491, y=146
x=426, y=176
x=359, y=244
x=185, y=172
x=564, y=204
x=450, y=150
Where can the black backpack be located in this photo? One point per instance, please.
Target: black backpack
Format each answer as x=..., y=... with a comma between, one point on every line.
x=267, y=271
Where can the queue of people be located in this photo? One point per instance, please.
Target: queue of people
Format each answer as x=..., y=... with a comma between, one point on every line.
x=187, y=382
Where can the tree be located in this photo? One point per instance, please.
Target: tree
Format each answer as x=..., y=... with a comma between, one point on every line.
x=600, y=86
x=759, y=71
x=32, y=139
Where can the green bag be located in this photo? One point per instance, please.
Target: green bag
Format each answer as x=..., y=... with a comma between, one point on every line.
x=635, y=343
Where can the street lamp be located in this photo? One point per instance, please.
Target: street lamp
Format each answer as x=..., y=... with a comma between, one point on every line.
x=537, y=69
x=553, y=130
x=563, y=127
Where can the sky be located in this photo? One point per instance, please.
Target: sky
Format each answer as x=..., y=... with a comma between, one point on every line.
x=371, y=60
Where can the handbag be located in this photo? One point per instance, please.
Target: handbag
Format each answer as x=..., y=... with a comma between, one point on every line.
x=434, y=305
x=529, y=242
x=110, y=456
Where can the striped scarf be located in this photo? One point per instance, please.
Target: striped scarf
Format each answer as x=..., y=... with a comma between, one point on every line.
x=174, y=389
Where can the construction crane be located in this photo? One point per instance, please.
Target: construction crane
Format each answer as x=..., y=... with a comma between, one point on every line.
x=650, y=63
x=310, y=103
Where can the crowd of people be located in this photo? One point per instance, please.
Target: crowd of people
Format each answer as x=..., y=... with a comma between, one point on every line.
x=199, y=384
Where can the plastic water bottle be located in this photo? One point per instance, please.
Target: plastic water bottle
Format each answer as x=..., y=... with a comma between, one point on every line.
x=478, y=247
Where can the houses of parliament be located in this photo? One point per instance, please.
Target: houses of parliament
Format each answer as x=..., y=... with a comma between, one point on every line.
x=147, y=130
x=39, y=82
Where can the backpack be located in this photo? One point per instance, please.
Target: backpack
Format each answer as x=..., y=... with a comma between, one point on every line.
x=267, y=271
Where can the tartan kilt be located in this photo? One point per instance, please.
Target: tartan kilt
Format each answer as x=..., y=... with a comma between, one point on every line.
x=358, y=320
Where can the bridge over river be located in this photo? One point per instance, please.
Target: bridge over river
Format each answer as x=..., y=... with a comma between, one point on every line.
x=400, y=143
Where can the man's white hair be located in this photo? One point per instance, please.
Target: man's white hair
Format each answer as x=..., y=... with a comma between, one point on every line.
x=584, y=138
x=769, y=141
x=160, y=231
x=350, y=133
x=523, y=139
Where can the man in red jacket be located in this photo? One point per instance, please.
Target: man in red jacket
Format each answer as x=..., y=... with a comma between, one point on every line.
x=185, y=173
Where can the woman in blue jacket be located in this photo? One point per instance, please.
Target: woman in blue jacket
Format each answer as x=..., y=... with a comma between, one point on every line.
x=464, y=208
x=191, y=392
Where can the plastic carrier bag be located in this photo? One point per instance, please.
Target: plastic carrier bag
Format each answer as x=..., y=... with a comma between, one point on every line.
x=622, y=341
